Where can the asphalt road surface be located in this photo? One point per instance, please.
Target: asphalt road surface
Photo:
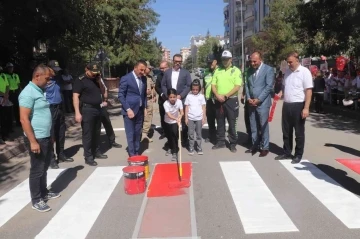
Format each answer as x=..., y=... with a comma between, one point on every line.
x=232, y=195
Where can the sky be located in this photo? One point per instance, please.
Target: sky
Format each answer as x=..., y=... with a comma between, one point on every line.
x=180, y=19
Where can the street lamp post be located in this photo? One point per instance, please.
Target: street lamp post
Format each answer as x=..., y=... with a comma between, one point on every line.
x=242, y=37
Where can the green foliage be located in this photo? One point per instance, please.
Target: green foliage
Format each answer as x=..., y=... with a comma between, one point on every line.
x=205, y=50
x=280, y=35
x=188, y=63
x=217, y=52
x=75, y=30
x=329, y=27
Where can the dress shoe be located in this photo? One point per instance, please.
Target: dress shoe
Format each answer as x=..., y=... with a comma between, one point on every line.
x=263, y=153
x=116, y=145
x=162, y=136
x=296, y=160
x=91, y=162
x=219, y=146
x=101, y=156
x=233, y=148
x=63, y=158
x=251, y=151
x=54, y=165
x=283, y=156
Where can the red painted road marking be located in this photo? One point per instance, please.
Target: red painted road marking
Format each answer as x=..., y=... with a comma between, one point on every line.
x=167, y=213
x=164, y=176
x=353, y=164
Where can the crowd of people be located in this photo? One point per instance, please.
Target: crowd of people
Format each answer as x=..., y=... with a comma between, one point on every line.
x=185, y=105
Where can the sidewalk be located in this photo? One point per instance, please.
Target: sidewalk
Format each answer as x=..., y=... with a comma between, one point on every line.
x=16, y=147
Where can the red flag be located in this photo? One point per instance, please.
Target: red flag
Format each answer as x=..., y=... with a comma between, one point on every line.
x=273, y=106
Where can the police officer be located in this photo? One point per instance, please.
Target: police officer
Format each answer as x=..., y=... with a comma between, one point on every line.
x=151, y=98
x=14, y=91
x=87, y=100
x=209, y=96
x=226, y=84
x=58, y=127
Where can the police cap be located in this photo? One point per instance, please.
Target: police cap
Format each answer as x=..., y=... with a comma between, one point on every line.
x=210, y=58
x=54, y=64
x=93, y=67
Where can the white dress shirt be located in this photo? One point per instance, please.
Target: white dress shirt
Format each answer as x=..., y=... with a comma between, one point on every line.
x=295, y=83
x=174, y=78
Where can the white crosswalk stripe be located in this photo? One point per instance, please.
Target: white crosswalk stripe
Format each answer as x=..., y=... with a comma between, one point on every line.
x=16, y=199
x=258, y=209
x=76, y=217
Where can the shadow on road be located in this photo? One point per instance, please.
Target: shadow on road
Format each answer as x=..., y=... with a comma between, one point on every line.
x=334, y=122
x=344, y=149
x=72, y=151
x=333, y=174
x=8, y=173
x=65, y=178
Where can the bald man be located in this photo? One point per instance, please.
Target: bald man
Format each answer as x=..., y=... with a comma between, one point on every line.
x=258, y=86
x=163, y=67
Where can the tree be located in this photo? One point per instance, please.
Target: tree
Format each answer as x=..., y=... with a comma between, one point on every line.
x=329, y=26
x=217, y=52
x=280, y=32
x=205, y=50
x=188, y=63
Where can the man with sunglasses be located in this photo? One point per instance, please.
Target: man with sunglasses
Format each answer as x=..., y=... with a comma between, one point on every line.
x=87, y=99
x=225, y=85
x=180, y=79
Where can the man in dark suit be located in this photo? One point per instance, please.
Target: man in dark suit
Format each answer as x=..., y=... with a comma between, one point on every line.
x=179, y=79
x=132, y=96
x=258, y=86
x=163, y=67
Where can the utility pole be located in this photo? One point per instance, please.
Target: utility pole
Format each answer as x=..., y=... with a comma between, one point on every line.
x=242, y=37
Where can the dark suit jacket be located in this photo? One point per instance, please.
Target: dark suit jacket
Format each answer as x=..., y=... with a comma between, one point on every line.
x=260, y=87
x=183, y=85
x=158, y=87
x=130, y=95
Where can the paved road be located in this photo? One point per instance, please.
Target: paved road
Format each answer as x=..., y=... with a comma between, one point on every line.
x=231, y=195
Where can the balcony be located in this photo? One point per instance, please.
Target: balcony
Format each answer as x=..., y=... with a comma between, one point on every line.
x=226, y=22
x=239, y=24
x=226, y=34
x=249, y=14
x=226, y=7
x=239, y=9
x=226, y=1
x=248, y=33
x=248, y=2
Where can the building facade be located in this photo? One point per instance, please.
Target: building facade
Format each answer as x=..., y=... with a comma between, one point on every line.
x=253, y=13
x=166, y=54
x=185, y=52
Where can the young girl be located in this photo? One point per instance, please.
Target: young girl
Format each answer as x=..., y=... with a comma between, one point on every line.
x=195, y=111
x=174, y=112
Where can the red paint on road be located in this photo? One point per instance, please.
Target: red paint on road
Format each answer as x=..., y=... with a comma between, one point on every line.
x=164, y=176
x=353, y=164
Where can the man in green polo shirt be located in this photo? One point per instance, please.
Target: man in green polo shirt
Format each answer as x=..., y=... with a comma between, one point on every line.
x=209, y=96
x=225, y=85
x=36, y=120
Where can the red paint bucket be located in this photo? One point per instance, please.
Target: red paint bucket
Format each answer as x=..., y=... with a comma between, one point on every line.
x=140, y=160
x=134, y=179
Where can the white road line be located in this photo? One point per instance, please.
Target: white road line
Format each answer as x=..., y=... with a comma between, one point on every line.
x=157, y=127
x=342, y=203
x=257, y=207
x=16, y=199
x=192, y=207
x=77, y=216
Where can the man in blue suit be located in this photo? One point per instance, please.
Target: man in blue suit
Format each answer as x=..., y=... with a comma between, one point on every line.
x=132, y=96
x=258, y=86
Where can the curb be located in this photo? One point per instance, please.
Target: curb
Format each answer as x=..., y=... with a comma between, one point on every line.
x=19, y=147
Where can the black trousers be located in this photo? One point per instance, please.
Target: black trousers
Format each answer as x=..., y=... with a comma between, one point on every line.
x=58, y=129
x=105, y=120
x=292, y=119
x=228, y=110
x=39, y=164
x=247, y=120
x=162, y=114
x=67, y=94
x=14, y=98
x=5, y=120
x=91, y=127
x=319, y=102
x=172, y=134
x=211, y=118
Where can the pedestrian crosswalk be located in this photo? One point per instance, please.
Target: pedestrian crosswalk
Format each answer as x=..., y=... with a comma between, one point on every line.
x=259, y=210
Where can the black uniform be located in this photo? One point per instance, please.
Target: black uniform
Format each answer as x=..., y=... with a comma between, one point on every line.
x=160, y=101
x=90, y=100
